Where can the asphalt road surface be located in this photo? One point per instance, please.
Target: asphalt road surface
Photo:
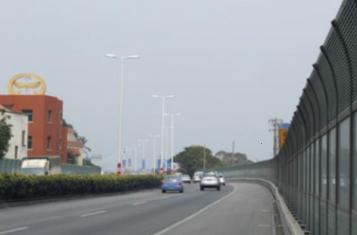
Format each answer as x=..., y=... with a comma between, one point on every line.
x=240, y=208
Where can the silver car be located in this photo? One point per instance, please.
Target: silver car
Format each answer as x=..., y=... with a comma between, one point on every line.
x=210, y=180
x=222, y=179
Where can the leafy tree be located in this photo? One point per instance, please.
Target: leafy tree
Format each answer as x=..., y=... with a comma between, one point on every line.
x=192, y=159
x=5, y=136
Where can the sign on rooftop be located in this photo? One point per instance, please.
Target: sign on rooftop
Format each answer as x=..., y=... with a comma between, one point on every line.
x=26, y=84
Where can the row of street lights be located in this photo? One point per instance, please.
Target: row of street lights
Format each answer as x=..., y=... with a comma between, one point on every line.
x=164, y=114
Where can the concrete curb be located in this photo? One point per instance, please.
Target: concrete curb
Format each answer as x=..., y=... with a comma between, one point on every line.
x=290, y=225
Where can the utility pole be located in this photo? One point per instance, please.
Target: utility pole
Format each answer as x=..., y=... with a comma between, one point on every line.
x=275, y=124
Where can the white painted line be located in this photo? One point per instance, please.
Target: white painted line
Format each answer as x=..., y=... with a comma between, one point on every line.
x=152, y=200
x=92, y=214
x=139, y=203
x=264, y=225
x=196, y=214
x=14, y=230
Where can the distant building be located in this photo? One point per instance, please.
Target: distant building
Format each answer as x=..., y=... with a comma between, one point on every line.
x=46, y=134
x=19, y=130
x=75, y=147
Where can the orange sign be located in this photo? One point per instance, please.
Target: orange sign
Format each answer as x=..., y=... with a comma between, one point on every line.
x=283, y=134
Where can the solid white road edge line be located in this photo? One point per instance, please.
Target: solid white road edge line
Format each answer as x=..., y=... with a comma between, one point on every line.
x=14, y=230
x=197, y=213
x=92, y=214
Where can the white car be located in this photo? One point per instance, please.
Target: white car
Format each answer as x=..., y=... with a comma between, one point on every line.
x=186, y=179
x=210, y=180
x=222, y=180
x=197, y=176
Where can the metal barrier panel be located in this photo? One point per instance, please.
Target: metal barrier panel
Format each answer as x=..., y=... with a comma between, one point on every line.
x=316, y=169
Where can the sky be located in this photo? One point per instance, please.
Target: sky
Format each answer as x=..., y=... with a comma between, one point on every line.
x=232, y=64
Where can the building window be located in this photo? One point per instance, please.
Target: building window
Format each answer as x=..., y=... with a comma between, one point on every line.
x=29, y=142
x=23, y=138
x=49, y=115
x=29, y=114
x=49, y=144
x=61, y=117
x=16, y=151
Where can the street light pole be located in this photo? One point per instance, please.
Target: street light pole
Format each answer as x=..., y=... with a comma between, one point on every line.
x=163, y=102
x=172, y=137
x=121, y=101
x=154, y=138
x=143, y=141
x=204, y=157
x=136, y=158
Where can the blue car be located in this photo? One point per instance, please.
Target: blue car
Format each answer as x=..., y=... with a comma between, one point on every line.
x=172, y=183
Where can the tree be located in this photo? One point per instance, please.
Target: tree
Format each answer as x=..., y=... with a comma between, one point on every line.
x=192, y=159
x=5, y=136
x=236, y=159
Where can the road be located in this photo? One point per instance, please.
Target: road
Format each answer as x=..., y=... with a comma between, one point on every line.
x=240, y=208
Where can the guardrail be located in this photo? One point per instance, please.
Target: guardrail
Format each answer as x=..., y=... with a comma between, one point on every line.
x=289, y=223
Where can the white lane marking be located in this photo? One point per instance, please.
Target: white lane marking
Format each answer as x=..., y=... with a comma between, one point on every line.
x=196, y=214
x=152, y=200
x=264, y=225
x=139, y=203
x=14, y=230
x=93, y=213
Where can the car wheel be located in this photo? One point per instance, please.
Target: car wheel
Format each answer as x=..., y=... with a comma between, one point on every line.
x=218, y=188
x=163, y=191
x=181, y=191
x=202, y=188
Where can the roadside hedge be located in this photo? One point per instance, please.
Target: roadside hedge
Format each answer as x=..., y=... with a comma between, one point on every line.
x=16, y=186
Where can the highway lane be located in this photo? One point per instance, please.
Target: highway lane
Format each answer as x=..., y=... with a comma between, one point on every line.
x=135, y=213
x=239, y=206
x=248, y=210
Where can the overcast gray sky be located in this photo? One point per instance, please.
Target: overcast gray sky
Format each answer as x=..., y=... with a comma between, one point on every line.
x=232, y=64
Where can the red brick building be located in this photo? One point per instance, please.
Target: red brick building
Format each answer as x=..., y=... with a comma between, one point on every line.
x=47, y=136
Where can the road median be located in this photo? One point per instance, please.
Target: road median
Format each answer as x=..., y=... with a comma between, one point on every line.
x=15, y=187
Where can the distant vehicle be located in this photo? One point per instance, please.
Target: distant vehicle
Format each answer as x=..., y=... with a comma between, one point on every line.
x=172, y=183
x=197, y=176
x=222, y=180
x=41, y=166
x=210, y=180
x=186, y=179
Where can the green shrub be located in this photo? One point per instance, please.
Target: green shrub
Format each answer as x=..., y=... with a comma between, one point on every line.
x=15, y=186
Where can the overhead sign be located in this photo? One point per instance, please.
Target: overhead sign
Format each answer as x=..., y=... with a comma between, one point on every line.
x=26, y=84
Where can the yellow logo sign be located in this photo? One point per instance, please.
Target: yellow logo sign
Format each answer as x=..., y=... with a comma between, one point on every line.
x=26, y=84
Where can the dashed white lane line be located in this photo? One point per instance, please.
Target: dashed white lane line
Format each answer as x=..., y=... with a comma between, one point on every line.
x=14, y=230
x=196, y=214
x=92, y=214
x=139, y=203
x=152, y=200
